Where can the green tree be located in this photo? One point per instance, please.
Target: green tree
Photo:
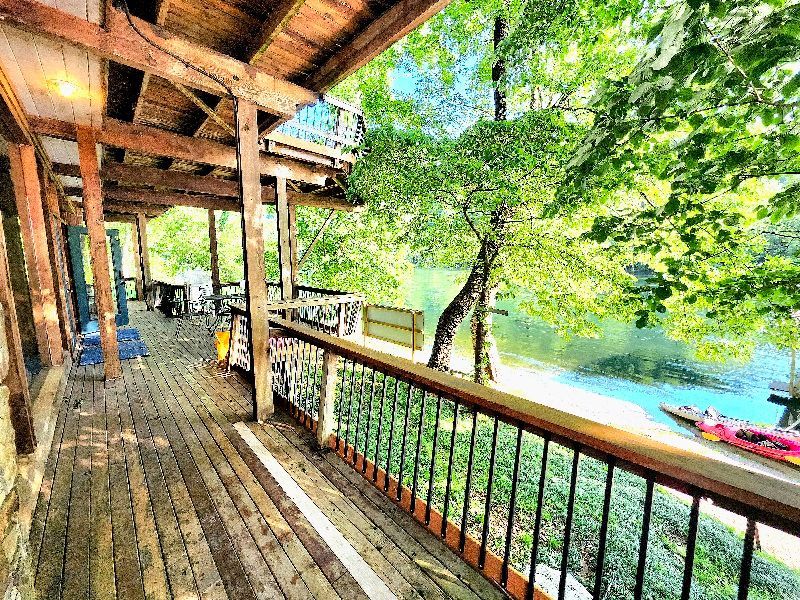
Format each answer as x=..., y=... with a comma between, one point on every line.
x=695, y=155
x=475, y=189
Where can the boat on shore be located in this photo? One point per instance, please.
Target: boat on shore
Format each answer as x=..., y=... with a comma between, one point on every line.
x=765, y=442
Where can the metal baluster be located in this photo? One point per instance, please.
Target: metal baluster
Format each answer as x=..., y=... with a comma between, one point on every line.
x=391, y=438
x=691, y=541
x=601, y=548
x=573, y=483
x=358, y=415
x=537, y=524
x=369, y=421
x=747, y=560
x=640, y=569
x=488, y=506
x=380, y=429
x=349, y=408
x=420, y=429
x=512, y=507
x=432, y=472
x=409, y=399
x=465, y=514
x=341, y=399
x=449, y=475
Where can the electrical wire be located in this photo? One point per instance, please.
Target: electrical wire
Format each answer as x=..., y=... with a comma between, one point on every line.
x=215, y=78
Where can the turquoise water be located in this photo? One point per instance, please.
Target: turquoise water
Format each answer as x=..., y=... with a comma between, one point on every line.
x=641, y=366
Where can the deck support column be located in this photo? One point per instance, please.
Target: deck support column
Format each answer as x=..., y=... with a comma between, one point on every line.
x=53, y=218
x=253, y=249
x=212, y=246
x=28, y=192
x=137, y=262
x=93, y=214
x=143, y=257
x=326, y=422
x=287, y=240
x=16, y=379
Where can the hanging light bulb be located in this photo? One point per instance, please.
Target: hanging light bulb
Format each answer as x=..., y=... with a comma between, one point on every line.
x=65, y=87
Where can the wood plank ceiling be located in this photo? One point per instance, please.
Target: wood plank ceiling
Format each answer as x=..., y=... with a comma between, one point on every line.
x=290, y=39
x=37, y=66
x=311, y=43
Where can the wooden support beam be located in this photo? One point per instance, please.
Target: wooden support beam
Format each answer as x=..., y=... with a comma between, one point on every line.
x=95, y=224
x=16, y=379
x=326, y=421
x=212, y=246
x=285, y=245
x=397, y=22
x=117, y=41
x=158, y=142
x=282, y=12
x=253, y=246
x=125, y=195
x=313, y=243
x=133, y=176
x=55, y=246
x=137, y=260
x=28, y=192
x=144, y=259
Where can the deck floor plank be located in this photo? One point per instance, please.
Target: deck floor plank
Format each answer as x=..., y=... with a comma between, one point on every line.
x=76, y=560
x=102, y=583
x=127, y=565
x=150, y=492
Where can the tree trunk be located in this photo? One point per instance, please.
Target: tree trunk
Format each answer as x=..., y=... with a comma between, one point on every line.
x=454, y=314
x=486, y=355
x=793, y=374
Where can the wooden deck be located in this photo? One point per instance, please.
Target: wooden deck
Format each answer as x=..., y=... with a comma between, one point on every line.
x=151, y=492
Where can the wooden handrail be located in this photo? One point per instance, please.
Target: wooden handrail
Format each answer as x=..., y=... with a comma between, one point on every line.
x=768, y=499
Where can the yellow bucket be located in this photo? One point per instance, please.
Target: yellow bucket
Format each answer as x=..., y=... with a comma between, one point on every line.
x=223, y=344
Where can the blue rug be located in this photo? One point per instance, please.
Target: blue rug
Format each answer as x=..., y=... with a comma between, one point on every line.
x=93, y=355
x=123, y=335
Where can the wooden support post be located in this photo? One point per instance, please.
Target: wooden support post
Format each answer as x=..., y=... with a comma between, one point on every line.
x=212, y=246
x=137, y=260
x=28, y=192
x=16, y=379
x=53, y=219
x=286, y=246
x=253, y=248
x=144, y=259
x=326, y=422
x=93, y=213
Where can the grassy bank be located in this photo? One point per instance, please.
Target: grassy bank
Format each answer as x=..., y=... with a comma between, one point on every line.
x=718, y=551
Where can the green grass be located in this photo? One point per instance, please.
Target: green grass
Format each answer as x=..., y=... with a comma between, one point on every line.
x=718, y=550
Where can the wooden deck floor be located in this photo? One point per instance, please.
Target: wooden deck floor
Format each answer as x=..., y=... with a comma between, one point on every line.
x=150, y=492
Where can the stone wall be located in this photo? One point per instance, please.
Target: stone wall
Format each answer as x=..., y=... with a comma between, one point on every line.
x=16, y=579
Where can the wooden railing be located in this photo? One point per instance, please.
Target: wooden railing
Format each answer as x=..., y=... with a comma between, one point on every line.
x=513, y=486
x=171, y=298
x=327, y=311
x=339, y=319
x=330, y=122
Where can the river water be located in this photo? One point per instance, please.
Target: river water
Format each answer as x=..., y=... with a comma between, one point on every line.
x=640, y=366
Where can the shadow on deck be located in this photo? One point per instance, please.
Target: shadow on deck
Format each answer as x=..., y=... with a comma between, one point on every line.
x=151, y=491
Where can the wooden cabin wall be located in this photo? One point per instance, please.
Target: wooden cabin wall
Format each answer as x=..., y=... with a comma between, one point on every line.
x=16, y=262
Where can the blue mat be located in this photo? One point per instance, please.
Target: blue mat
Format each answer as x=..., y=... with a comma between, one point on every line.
x=123, y=335
x=93, y=355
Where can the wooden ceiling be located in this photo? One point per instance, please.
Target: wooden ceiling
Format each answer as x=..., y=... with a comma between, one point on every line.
x=286, y=53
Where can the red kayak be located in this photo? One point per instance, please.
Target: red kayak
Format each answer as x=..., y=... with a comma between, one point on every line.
x=765, y=442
